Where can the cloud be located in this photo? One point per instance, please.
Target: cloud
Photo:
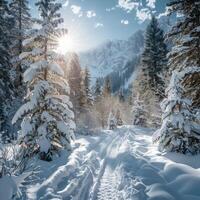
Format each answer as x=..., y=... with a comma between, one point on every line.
x=143, y=14
x=77, y=10
x=66, y=3
x=125, y=22
x=98, y=25
x=128, y=5
x=151, y=3
x=110, y=9
x=90, y=14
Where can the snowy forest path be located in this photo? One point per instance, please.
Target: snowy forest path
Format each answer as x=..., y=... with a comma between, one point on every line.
x=119, y=178
x=114, y=167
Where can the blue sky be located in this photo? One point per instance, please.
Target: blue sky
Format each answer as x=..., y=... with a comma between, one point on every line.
x=91, y=22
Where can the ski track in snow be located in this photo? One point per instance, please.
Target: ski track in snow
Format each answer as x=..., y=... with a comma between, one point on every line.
x=122, y=165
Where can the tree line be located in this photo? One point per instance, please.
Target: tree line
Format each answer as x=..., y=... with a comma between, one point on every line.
x=170, y=76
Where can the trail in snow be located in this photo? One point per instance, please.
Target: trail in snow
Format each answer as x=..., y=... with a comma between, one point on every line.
x=120, y=165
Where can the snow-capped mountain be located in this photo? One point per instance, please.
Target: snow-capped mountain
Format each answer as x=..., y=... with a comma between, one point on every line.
x=113, y=56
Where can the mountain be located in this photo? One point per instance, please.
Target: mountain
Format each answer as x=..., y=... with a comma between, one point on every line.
x=117, y=59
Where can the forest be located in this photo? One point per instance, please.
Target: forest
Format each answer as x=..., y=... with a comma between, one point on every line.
x=119, y=121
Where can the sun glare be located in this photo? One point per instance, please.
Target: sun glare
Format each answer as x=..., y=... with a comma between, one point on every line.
x=66, y=44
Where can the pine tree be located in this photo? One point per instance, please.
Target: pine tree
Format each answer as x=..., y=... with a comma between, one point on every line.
x=83, y=96
x=74, y=78
x=152, y=75
x=97, y=90
x=121, y=95
x=180, y=130
x=86, y=98
x=107, y=87
x=119, y=120
x=21, y=13
x=87, y=80
x=154, y=58
x=112, y=124
x=146, y=98
x=6, y=88
x=139, y=112
x=185, y=35
x=47, y=119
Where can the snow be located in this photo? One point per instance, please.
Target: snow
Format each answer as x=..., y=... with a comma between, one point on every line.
x=34, y=52
x=44, y=144
x=112, y=56
x=56, y=68
x=178, y=127
x=8, y=188
x=30, y=73
x=119, y=164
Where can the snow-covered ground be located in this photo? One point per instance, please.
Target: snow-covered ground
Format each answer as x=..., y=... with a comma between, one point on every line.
x=118, y=165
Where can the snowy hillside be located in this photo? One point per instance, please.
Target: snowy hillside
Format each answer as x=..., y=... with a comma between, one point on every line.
x=112, y=56
x=120, y=164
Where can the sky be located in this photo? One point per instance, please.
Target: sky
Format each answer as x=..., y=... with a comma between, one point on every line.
x=92, y=22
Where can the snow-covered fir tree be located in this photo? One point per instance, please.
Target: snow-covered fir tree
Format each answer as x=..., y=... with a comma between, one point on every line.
x=118, y=117
x=83, y=96
x=47, y=119
x=97, y=90
x=121, y=95
x=21, y=14
x=186, y=38
x=154, y=58
x=74, y=78
x=153, y=73
x=180, y=131
x=86, y=94
x=6, y=87
x=112, y=123
x=87, y=80
x=139, y=112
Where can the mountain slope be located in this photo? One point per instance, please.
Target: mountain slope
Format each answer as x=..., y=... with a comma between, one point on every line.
x=113, y=56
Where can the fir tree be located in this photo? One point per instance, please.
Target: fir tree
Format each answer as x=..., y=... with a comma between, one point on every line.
x=6, y=23
x=145, y=98
x=119, y=120
x=74, y=78
x=185, y=35
x=21, y=13
x=112, y=123
x=179, y=131
x=121, y=95
x=86, y=99
x=154, y=58
x=139, y=112
x=107, y=87
x=47, y=120
x=83, y=96
x=87, y=80
x=97, y=90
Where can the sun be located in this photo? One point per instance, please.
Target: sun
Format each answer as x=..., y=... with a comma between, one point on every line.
x=66, y=44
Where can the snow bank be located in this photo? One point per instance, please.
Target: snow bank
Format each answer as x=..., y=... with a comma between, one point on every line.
x=77, y=171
